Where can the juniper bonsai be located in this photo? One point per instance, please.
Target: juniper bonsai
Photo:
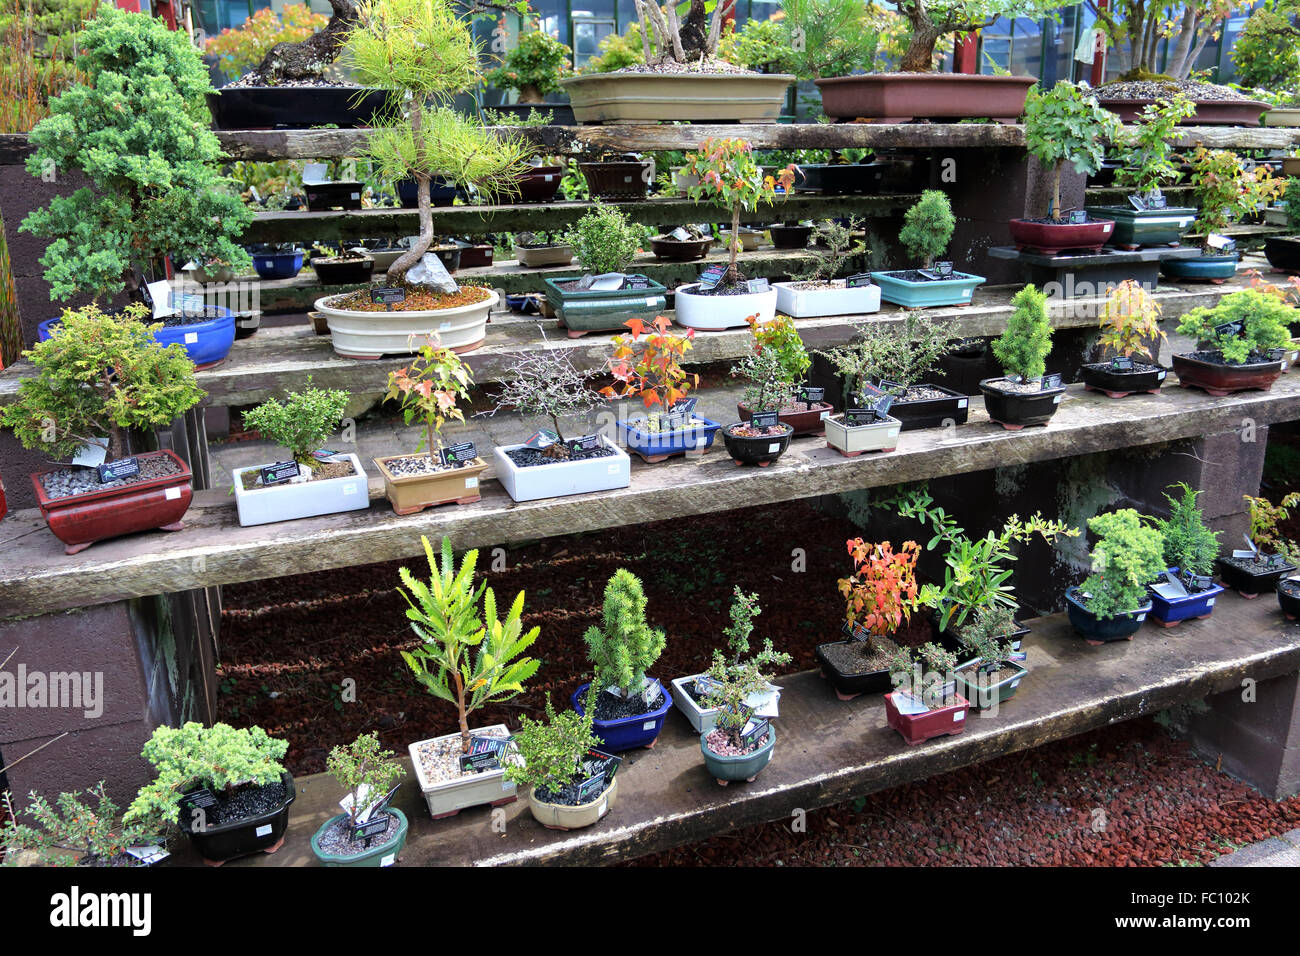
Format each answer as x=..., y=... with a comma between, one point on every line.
x=928, y=226
x=1257, y=321
x=624, y=646
x=1188, y=544
x=1128, y=556
x=1023, y=348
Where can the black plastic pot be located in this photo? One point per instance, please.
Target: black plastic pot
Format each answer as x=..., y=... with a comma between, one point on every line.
x=241, y=837
x=1095, y=630
x=851, y=685
x=1249, y=583
x=1014, y=411
x=1101, y=377
x=294, y=107
x=325, y=196
x=760, y=451
x=346, y=272
x=790, y=237
x=1288, y=598
x=441, y=192
x=840, y=178
x=1283, y=252
x=949, y=639
x=933, y=412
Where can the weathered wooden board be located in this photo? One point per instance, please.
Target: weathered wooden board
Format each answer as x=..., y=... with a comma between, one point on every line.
x=828, y=751
x=36, y=577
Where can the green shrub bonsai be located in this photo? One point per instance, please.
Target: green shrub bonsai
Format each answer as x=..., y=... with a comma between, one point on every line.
x=1188, y=544
x=219, y=757
x=534, y=65
x=983, y=637
x=138, y=130
x=767, y=384
x=1148, y=151
x=1023, y=347
x=1257, y=321
x=552, y=752
x=624, y=646
x=69, y=831
x=902, y=353
x=365, y=771
x=302, y=422
x=1226, y=190
x=1128, y=556
x=100, y=376
x=444, y=614
x=1067, y=124
x=603, y=240
x=928, y=226
x=735, y=679
x=923, y=672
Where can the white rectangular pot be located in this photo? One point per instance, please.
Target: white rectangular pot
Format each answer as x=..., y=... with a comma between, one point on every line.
x=563, y=477
x=449, y=796
x=709, y=312
x=704, y=719
x=855, y=439
x=301, y=500
x=812, y=303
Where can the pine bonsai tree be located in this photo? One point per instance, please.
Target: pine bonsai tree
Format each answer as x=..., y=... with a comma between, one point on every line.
x=624, y=646
x=138, y=130
x=927, y=227
x=1023, y=347
x=1189, y=545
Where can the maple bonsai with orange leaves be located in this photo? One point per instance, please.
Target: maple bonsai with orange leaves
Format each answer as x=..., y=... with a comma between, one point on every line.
x=647, y=364
x=882, y=591
x=429, y=389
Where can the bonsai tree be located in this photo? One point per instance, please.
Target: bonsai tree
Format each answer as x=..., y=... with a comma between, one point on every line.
x=553, y=751
x=603, y=240
x=428, y=390
x=624, y=646
x=534, y=65
x=365, y=771
x=1140, y=32
x=882, y=592
x=779, y=336
x=1067, y=124
x=815, y=39
x=70, y=831
x=691, y=42
x=1148, y=150
x=1264, y=51
x=926, y=685
x=1022, y=349
x=306, y=60
x=1291, y=204
x=1265, y=518
x=768, y=387
x=734, y=679
x=650, y=367
x=1128, y=556
x=1226, y=190
x=902, y=353
x=836, y=249
x=762, y=45
x=928, y=227
x=137, y=129
x=302, y=422
x=1130, y=322
x=421, y=50
x=219, y=757
x=1252, y=322
x=545, y=382
x=983, y=637
x=932, y=20
x=100, y=376
x=239, y=49
x=1188, y=544
x=444, y=614
x=729, y=176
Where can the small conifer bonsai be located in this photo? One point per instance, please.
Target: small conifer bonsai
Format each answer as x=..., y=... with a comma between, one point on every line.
x=1023, y=348
x=928, y=227
x=624, y=646
x=736, y=678
x=1128, y=556
x=1255, y=322
x=1188, y=544
x=302, y=422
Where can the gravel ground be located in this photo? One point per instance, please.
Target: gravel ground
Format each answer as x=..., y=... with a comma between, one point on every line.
x=1156, y=89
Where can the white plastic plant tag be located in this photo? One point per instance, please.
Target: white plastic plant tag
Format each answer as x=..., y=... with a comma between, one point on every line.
x=773, y=448
x=650, y=694
x=388, y=860
x=313, y=173
x=905, y=703
x=191, y=338
x=1056, y=399
x=547, y=177
x=607, y=282
x=471, y=482
x=962, y=402
x=356, y=196
x=444, y=327
x=506, y=785
x=363, y=793
x=93, y=454
x=958, y=716
x=627, y=179
x=1142, y=616
x=148, y=853
x=1209, y=602
x=171, y=494
x=648, y=725
x=263, y=830
x=350, y=488
x=161, y=294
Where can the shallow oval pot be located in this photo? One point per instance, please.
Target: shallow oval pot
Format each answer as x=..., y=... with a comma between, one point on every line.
x=618, y=179
x=536, y=257
x=1249, y=583
x=581, y=312
x=680, y=250
x=384, y=854
x=1101, y=377
x=263, y=833
x=936, y=722
x=448, y=797
x=724, y=769
x=1013, y=411
x=1219, y=379
x=1097, y=631
x=1053, y=238
x=1207, y=268
x=411, y=493
x=921, y=295
x=563, y=477
x=371, y=335
x=305, y=499
x=1170, y=611
x=901, y=97
x=760, y=451
x=692, y=97
x=712, y=312
x=559, y=816
x=654, y=447
x=852, y=440
x=813, y=303
x=627, y=733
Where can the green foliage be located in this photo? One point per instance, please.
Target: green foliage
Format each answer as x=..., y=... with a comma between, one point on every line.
x=1265, y=321
x=618, y=51
x=836, y=248
x=1265, y=517
x=302, y=422
x=416, y=46
x=898, y=352
x=767, y=386
x=364, y=763
x=1264, y=52
x=138, y=130
x=603, y=240
x=1023, y=347
x=1226, y=190
x=780, y=336
x=736, y=679
x=1130, y=321
x=1148, y=156
x=1188, y=543
x=552, y=752
x=68, y=832
x=758, y=45
x=444, y=614
x=1128, y=556
x=96, y=376
x=624, y=646
x=932, y=20
x=536, y=64
x=928, y=226
x=239, y=49
x=1291, y=203
x=829, y=38
x=1067, y=124
x=218, y=757
x=935, y=666
x=983, y=637
x=429, y=389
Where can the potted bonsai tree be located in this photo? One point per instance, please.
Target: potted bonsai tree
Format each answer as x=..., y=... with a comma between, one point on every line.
x=1113, y=601
x=927, y=230
x=313, y=481
x=368, y=832
x=807, y=415
x=1024, y=394
x=730, y=177
x=1145, y=153
x=573, y=783
x=693, y=697
x=469, y=658
x=420, y=50
x=761, y=438
x=685, y=243
x=1241, y=343
x=818, y=290
x=924, y=702
x=225, y=788
x=545, y=383
x=881, y=595
x=142, y=97
x=76, y=831
x=428, y=390
x=1130, y=331
x=1267, y=557
x=533, y=67
x=97, y=378
x=741, y=743
x=605, y=298
x=1188, y=590
x=1283, y=252
x=630, y=708
x=534, y=251
x=1065, y=124
x=994, y=670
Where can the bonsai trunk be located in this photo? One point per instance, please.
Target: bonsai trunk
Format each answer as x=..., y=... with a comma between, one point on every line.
x=733, y=247
x=694, y=30
x=528, y=93
x=919, y=56
x=397, y=271
x=308, y=59
x=1056, y=191
x=464, y=715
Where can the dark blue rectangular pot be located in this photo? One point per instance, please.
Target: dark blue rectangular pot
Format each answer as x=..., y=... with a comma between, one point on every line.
x=1169, y=613
x=1096, y=631
x=629, y=732
x=656, y=446
x=278, y=265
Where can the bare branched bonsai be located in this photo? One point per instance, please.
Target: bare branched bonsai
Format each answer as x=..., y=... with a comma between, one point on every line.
x=545, y=382
x=692, y=41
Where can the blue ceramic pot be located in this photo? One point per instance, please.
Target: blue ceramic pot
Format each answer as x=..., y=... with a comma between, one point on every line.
x=1098, y=631
x=279, y=265
x=628, y=732
x=1169, y=612
x=738, y=768
x=206, y=343
x=1200, y=267
x=656, y=446
x=936, y=292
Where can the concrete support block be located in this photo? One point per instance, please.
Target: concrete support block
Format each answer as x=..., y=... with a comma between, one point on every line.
x=1253, y=733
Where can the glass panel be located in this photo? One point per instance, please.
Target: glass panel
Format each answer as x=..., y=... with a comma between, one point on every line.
x=587, y=35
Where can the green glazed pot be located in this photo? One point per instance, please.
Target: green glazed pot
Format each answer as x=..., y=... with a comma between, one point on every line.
x=1150, y=227
x=980, y=693
x=745, y=767
x=1215, y=268
x=376, y=856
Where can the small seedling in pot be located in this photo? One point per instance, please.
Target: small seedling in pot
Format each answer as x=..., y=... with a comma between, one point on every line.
x=1243, y=327
x=901, y=353
x=1226, y=191
x=554, y=759
x=835, y=249
x=925, y=674
x=1023, y=347
x=1148, y=153
x=1066, y=123
x=767, y=388
x=367, y=773
x=752, y=672
x=1188, y=544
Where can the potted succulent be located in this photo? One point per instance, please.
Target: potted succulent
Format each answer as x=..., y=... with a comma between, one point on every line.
x=1146, y=165
x=573, y=783
x=761, y=438
x=1024, y=394
x=818, y=290
x=605, y=298
x=994, y=671
x=97, y=377
x=650, y=368
x=225, y=788
x=741, y=743
x=428, y=390
x=1267, y=557
x=420, y=50
x=806, y=415
x=730, y=177
x=881, y=595
x=693, y=697
x=535, y=252
x=1130, y=330
x=629, y=708
x=1113, y=600
x=368, y=833
x=544, y=382
x=927, y=230
x=1241, y=343
x=924, y=703
x=1283, y=252
x=313, y=481
x=1190, y=551
x=533, y=67
x=469, y=658
x=73, y=831
x=1065, y=124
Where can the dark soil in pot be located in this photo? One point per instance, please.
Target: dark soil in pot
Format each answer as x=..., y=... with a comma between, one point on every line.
x=859, y=657
x=531, y=457
x=244, y=803
x=1117, y=383
x=82, y=481
x=321, y=471
x=756, y=446
x=337, y=839
x=609, y=707
x=567, y=795
x=1251, y=577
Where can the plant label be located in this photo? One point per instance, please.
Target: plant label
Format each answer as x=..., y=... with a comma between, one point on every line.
x=680, y=234
x=892, y=388
x=387, y=295
x=1230, y=328
x=651, y=693
x=1222, y=243
x=590, y=788
x=148, y=853
x=765, y=419
x=906, y=703
x=1121, y=363
x=944, y=269
x=1078, y=217
x=711, y=276
x=1195, y=582
x=370, y=829
x=859, y=416
x=1138, y=203
x=199, y=799
x=1156, y=200
x=597, y=761
x=753, y=733
x=758, y=285
x=1170, y=590
x=858, y=281
x=680, y=414
x=859, y=633
x=1050, y=381
x=1276, y=561
x=478, y=762
x=542, y=439
x=810, y=395
x=122, y=468
x=704, y=685
x=585, y=443
x=88, y=456
x=607, y=282
x=280, y=472
x=637, y=283
x=929, y=274
x=458, y=454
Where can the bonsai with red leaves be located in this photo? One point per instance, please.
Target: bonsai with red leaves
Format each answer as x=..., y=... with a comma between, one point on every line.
x=882, y=592
x=647, y=364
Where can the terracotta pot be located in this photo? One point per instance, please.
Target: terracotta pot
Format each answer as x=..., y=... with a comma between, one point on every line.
x=1208, y=112
x=900, y=97
x=1218, y=379
x=540, y=183
x=1053, y=238
x=411, y=493
x=810, y=422
x=81, y=520
x=621, y=179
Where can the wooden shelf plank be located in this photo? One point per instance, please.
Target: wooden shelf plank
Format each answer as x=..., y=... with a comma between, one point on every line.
x=213, y=549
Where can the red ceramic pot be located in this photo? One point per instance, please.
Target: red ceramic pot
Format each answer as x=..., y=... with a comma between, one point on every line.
x=1052, y=238
x=540, y=183
x=810, y=422
x=1219, y=379
x=1208, y=112
x=899, y=97
x=81, y=520
x=916, y=728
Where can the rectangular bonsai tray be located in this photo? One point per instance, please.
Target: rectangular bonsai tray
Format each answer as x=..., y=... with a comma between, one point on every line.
x=1091, y=273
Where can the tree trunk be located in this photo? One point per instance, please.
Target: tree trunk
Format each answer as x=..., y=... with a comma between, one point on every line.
x=308, y=59
x=695, y=30
x=1056, y=192
x=1178, y=59
x=733, y=274
x=397, y=271
x=528, y=93
x=464, y=717
x=919, y=56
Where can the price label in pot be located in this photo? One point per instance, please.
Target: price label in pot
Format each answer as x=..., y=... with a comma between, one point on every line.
x=1121, y=363
x=636, y=282
x=1230, y=328
x=944, y=269
x=116, y=470
x=370, y=829
x=680, y=234
x=585, y=443
x=754, y=732
x=387, y=295
x=458, y=454
x=810, y=395
x=712, y=276
x=858, y=281
x=597, y=761
x=892, y=388
x=859, y=633
x=1049, y=381
x=765, y=419
x=1078, y=217
x=591, y=788
x=1138, y=203
x=199, y=799
x=485, y=753
x=680, y=414
x=280, y=472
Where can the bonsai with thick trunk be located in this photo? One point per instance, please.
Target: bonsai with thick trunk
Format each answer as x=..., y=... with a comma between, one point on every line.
x=932, y=20
x=1139, y=28
x=308, y=59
